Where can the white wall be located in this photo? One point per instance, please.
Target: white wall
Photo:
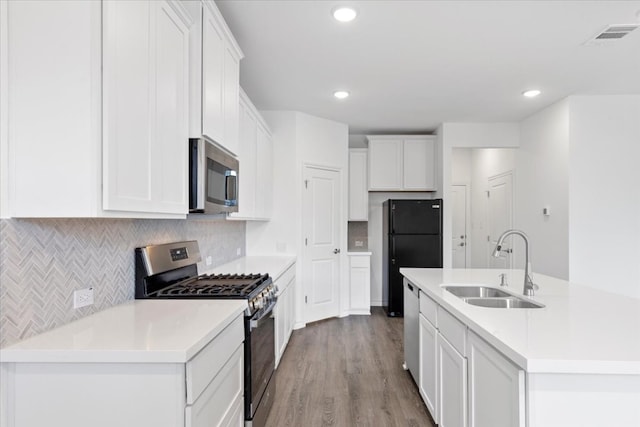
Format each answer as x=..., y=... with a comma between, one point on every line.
x=484, y=163
x=542, y=179
x=604, y=202
x=298, y=139
x=469, y=135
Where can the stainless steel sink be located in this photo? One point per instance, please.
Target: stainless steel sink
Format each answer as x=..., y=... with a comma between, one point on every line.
x=511, y=302
x=476, y=292
x=484, y=296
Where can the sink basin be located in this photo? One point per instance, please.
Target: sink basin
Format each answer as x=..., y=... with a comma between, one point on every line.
x=511, y=302
x=484, y=296
x=476, y=292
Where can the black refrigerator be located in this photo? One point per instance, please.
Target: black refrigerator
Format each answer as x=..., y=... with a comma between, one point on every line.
x=411, y=237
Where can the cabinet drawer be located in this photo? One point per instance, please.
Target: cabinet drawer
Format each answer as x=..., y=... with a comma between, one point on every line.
x=453, y=330
x=359, y=261
x=428, y=308
x=285, y=278
x=207, y=363
x=218, y=403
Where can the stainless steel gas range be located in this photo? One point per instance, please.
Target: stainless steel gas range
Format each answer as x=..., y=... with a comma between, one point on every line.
x=170, y=271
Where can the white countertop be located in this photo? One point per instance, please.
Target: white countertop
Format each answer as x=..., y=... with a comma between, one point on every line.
x=359, y=253
x=580, y=329
x=138, y=331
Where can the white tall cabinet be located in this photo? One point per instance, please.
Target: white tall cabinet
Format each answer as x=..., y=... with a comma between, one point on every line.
x=255, y=153
x=97, y=108
x=358, y=186
x=402, y=162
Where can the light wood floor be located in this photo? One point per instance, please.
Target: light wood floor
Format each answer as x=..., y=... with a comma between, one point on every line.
x=347, y=372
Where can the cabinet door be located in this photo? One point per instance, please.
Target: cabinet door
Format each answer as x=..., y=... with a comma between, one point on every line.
x=452, y=385
x=247, y=158
x=358, y=189
x=418, y=164
x=231, y=99
x=171, y=130
x=280, y=315
x=127, y=91
x=264, y=169
x=359, y=282
x=429, y=366
x=291, y=304
x=496, y=387
x=213, y=53
x=385, y=164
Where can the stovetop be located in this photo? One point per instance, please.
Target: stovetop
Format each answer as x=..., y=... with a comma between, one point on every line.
x=232, y=286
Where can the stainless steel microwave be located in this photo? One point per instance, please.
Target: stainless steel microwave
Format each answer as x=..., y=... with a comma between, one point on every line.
x=213, y=178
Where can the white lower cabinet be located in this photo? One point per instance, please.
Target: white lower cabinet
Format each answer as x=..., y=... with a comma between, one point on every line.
x=496, y=387
x=452, y=385
x=219, y=402
x=463, y=379
x=283, y=312
x=359, y=283
x=207, y=390
x=428, y=383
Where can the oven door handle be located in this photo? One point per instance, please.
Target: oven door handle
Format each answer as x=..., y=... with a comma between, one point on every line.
x=255, y=323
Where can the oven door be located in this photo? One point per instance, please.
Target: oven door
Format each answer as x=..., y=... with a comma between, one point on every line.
x=260, y=346
x=213, y=179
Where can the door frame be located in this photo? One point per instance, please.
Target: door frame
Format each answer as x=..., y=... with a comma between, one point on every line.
x=467, y=220
x=343, y=288
x=510, y=173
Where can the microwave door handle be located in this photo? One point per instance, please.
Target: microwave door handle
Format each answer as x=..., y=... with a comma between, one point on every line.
x=201, y=181
x=231, y=175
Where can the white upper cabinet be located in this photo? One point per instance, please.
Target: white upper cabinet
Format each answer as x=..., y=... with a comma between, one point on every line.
x=215, y=78
x=358, y=188
x=145, y=123
x=385, y=164
x=402, y=163
x=98, y=118
x=255, y=154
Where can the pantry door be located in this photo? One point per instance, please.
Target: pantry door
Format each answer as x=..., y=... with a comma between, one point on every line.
x=500, y=218
x=321, y=245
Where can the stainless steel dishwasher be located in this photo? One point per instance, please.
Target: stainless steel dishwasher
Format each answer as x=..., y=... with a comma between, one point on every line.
x=411, y=329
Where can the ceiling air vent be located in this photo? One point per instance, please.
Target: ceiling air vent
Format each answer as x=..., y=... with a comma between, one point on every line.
x=613, y=33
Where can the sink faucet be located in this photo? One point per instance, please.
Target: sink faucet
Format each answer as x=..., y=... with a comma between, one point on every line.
x=529, y=286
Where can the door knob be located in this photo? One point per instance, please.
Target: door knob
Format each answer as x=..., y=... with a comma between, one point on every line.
x=336, y=251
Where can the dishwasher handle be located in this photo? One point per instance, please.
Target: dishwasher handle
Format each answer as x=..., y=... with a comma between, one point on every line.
x=412, y=288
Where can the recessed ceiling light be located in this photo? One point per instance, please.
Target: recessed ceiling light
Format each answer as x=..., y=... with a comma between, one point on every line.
x=531, y=93
x=341, y=94
x=344, y=14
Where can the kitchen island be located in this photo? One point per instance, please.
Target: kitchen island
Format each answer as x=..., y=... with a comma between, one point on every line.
x=574, y=362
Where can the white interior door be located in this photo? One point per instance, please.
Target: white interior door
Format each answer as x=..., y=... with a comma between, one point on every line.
x=459, y=226
x=321, y=229
x=500, y=217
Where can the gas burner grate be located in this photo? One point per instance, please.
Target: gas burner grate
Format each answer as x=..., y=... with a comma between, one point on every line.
x=216, y=285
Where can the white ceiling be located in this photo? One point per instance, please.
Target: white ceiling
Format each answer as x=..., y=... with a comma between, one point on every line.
x=411, y=65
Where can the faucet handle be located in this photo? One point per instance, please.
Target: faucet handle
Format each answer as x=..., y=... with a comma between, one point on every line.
x=503, y=280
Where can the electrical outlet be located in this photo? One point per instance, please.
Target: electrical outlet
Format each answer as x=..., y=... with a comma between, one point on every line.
x=208, y=260
x=239, y=251
x=82, y=297
x=359, y=243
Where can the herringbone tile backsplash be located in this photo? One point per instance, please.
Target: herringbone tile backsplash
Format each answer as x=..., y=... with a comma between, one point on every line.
x=43, y=261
